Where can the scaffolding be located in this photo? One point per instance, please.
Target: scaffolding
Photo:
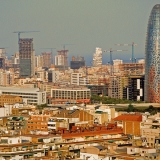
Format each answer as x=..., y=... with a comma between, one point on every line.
x=132, y=69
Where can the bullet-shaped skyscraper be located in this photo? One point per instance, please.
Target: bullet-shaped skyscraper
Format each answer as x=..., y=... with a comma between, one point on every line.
x=26, y=57
x=152, y=57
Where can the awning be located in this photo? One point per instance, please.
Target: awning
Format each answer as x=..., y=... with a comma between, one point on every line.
x=14, y=118
x=28, y=154
x=24, y=146
x=21, y=118
x=99, y=112
x=111, y=141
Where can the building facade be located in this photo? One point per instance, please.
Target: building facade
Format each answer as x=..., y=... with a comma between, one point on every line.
x=9, y=99
x=71, y=95
x=29, y=95
x=78, y=79
x=61, y=60
x=47, y=59
x=134, y=91
x=97, y=57
x=77, y=63
x=53, y=76
x=26, y=55
x=6, y=78
x=152, y=57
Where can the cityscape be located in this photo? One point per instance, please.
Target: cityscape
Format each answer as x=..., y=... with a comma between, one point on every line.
x=60, y=106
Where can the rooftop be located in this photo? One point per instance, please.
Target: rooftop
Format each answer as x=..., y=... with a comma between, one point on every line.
x=129, y=117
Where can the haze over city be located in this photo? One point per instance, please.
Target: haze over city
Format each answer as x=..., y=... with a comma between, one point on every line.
x=85, y=24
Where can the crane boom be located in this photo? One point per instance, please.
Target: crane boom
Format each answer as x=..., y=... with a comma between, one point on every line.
x=19, y=32
x=111, y=60
x=133, y=44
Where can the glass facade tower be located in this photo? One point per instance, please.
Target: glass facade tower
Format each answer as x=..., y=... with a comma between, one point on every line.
x=152, y=57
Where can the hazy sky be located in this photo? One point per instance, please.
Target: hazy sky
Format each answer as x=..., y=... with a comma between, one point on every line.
x=86, y=24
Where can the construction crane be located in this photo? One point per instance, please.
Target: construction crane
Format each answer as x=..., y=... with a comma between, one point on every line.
x=133, y=44
x=19, y=32
x=111, y=60
x=64, y=48
x=64, y=45
x=51, y=53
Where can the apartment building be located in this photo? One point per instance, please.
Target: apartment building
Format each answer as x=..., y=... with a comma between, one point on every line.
x=29, y=95
x=13, y=147
x=71, y=95
x=150, y=129
x=115, y=86
x=61, y=60
x=9, y=99
x=6, y=78
x=38, y=122
x=39, y=61
x=78, y=79
x=16, y=123
x=53, y=76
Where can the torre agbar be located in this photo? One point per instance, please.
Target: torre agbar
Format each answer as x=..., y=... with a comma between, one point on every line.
x=152, y=57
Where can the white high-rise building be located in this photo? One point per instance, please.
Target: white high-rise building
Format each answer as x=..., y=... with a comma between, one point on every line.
x=78, y=79
x=97, y=57
x=59, y=60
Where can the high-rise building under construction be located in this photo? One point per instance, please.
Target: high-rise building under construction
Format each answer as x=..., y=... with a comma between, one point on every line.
x=97, y=57
x=152, y=57
x=26, y=57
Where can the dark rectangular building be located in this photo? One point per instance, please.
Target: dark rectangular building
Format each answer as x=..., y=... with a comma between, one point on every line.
x=135, y=89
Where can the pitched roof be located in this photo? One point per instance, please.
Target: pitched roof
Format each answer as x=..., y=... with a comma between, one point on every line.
x=129, y=117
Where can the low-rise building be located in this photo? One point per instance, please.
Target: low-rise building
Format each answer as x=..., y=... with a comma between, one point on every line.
x=29, y=95
x=130, y=123
x=38, y=122
x=71, y=95
x=10, y=99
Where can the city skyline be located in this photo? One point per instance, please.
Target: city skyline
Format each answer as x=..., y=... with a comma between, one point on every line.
x=83, y=25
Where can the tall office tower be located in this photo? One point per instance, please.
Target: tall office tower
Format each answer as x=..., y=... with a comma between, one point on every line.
x=77, y=63
x=26, y=57
x=152, y=57
x=97, y=57
x=47, y=59
x=61, y=60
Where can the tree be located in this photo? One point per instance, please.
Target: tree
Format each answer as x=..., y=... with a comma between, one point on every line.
x=130, y=108
x=41, y=106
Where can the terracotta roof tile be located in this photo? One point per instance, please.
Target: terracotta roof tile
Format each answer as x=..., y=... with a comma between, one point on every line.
x=128, y=117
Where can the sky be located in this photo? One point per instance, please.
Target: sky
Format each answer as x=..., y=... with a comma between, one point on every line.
x=80, y=25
